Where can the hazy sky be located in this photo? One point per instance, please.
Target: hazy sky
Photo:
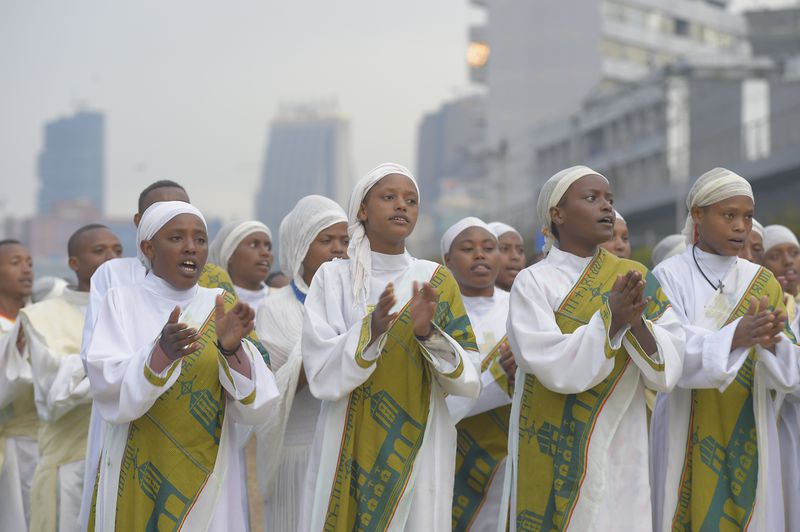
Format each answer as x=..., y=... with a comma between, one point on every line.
x=189, y=87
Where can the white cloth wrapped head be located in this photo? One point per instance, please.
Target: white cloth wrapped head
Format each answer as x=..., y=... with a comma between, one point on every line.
x=459, y=227
x=551, y=194
x=229, y=237
x=712, y=187
x=157, y=216
x=618, y=216
x=776, y=235
x=300, y=227
x=758, y=228
x=667, y=247
x=499, y=229
x=359, y=250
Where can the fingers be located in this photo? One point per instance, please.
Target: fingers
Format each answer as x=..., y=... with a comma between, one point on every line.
x=753, y=308
x=429, y=293
x=174, y=315
x=620, y=283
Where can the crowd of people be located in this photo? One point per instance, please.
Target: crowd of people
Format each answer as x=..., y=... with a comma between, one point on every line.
x=388, y=392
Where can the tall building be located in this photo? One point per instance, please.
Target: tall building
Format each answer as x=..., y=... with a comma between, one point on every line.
x=541, y=60
x=308, y=153
x=71, y=165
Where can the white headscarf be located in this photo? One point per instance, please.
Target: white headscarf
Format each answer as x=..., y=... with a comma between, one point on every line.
x=775, y=235
x=300, y=227
x=667, y=247
x=459, y=227
x=359, y=250
x=714, y=186
x=758, y=228
x=499, y=229
x=155, y=217
x=619, y=217
x=552, y=192
x=229, y=237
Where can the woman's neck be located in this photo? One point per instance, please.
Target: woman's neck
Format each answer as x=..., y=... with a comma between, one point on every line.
x=11, y=305
x=580, y=249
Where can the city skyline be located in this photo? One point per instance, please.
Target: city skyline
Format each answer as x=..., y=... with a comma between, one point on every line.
x=188, y=90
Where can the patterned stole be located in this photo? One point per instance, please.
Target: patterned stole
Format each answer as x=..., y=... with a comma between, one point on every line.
x=719, y=479
x=555, y=429
x=386, y=417
x=482, y=445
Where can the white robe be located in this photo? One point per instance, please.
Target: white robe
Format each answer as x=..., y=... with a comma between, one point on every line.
x=254, y=298
x=488, y=317
x=615, y=492
x=128, y=323
x=331, y=331
x=18, y=426
x=53, y=331
x=789, y=432
x=709, y=362
x=284, y=444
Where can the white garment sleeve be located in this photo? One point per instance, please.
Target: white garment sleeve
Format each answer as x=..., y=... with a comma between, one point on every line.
x=446, y=356
x=59, y=379
x=661, y=370
x=15, y=368
x=564, y=363
x=329, y=345
x=251, y=399
x=123, y=385
x=783, y=367
x=98, y=288
x=708, y=360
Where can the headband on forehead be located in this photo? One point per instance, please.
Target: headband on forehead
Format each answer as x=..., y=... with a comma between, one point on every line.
x=359, y=250
x=229, y=237
x=667, y=247
x=157, y=216
x=300, y=228
x=714, y=186
x=758, y=228
x=776, y=235
x=459, y=227
x=499, y=229
x=551, y=194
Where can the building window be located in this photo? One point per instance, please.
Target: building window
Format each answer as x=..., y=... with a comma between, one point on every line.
x=682, y=27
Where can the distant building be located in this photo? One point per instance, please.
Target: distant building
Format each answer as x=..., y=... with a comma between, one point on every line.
x=308, y=153
x=541, y=60
x=71, y=165
x=775, y=32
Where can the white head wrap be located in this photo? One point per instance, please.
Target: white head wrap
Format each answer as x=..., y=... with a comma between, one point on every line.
x=758, y=228
x=552, y=192
x=667, y=247
x=775, y=235
x=499, y=229
x=359, y=250
x=618, y=216
x=714, y=186
x=300, y=227
x=155, y=217
x=229, y=237
x=47, y=288
x=459, y=227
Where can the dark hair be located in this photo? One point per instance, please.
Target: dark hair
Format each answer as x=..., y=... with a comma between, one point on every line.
x=162, y=183
x=72, y=243
x=10, y=241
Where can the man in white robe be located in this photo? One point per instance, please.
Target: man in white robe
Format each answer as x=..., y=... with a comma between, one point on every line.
x=144, y=368
x=18, y=422
x=721, y=411
x=314, y=232
x=384, y=451
x=53, y=330
x=470, y=250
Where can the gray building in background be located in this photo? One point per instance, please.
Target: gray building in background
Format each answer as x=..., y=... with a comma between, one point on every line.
x=308, y=152
x=71, y=166
x=542, y=60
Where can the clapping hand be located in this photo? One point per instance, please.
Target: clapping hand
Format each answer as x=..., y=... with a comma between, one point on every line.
x=759, y=326
x=422, y=308
x=381, y=319
x=234, y=325
x=627, y=301
x=178, y=339
x=507, y=362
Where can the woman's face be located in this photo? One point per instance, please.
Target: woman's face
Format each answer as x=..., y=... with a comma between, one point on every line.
x=389, y=212
x=178, y=251
x=330, y=243
x=619, y=244
x=250, y=263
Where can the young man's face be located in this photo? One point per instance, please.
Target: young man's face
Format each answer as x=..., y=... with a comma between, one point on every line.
x=753, y=249
x=179, y=250
x=512, y=259
x=250, y=263
x=723, y=227
x=474, y=260
x=330, y=243
x=390, y=210
x=783, y=261
x=619, y=244
x=16, y=271
x=94, y=247
x=585, y=216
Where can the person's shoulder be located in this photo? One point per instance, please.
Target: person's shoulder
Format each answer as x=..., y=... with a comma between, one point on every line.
x=335, y=267
x=673, y=266
x=120, y=270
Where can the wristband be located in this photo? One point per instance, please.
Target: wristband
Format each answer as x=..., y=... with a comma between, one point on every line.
x=227, y=353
